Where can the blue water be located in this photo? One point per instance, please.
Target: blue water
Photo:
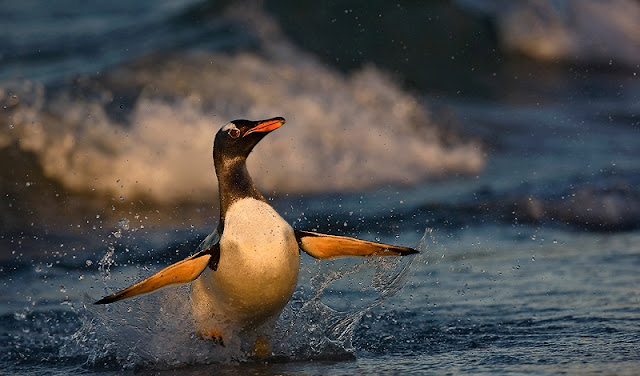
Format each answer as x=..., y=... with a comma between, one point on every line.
x=516, y=176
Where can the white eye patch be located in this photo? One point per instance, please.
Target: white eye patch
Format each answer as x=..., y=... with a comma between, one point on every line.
x=231, y=130
x=229, y=126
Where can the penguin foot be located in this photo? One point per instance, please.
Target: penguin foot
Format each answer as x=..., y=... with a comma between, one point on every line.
x=262, y=348
x=211, y=334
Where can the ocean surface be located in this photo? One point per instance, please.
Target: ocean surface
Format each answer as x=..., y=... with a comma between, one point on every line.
x=501, y=139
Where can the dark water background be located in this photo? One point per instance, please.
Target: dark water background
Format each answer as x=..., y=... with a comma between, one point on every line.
x=501, y=139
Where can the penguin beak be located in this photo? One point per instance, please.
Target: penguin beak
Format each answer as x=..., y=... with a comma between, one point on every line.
x=265, y=126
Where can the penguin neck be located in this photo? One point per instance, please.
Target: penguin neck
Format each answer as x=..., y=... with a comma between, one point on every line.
x=234, y=184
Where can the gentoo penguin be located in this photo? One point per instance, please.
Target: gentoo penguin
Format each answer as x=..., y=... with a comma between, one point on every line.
x=246, y=270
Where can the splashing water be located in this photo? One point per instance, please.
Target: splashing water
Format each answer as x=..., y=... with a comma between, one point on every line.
x=158, y=331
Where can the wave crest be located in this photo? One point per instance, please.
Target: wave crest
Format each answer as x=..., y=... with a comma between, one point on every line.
x=145, y=129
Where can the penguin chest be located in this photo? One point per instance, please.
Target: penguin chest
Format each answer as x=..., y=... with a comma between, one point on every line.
x=259, y=262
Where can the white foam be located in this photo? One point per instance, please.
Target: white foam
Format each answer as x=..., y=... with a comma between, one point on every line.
x=576, y=30
x=342, y=133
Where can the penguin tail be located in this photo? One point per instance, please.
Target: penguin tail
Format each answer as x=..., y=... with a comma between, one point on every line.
x=181, y=272
x=324, y=246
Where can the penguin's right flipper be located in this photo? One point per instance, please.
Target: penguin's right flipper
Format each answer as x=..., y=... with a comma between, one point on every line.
x=181, y=272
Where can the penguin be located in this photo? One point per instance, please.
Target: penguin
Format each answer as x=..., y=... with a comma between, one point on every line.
x=244, y=273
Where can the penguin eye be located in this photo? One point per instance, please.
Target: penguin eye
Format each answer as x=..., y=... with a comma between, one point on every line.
x=234, y=132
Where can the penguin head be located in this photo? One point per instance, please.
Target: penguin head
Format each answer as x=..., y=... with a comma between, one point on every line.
x=236, y=139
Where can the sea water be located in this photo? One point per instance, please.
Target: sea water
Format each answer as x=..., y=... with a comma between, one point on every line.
x=518, y=182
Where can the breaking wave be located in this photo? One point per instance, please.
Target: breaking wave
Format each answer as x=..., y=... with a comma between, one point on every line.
x=144, y=130
x=589, y=32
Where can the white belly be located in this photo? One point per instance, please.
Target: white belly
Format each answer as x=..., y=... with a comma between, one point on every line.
x=257, y=272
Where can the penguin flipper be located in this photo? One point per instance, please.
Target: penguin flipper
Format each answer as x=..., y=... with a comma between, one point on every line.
x=323, y=246
x=181, y=272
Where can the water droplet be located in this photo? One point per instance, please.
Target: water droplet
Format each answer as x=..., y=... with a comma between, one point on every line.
x=80, y=277
x=38, y=269
x=121, y=198
x=124, y=224
x=89, y=262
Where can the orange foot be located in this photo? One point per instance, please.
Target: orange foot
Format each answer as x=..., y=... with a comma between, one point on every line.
x=262, y=348
x=211, y=334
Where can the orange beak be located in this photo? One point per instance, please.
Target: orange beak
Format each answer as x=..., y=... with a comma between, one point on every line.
x=266, y=125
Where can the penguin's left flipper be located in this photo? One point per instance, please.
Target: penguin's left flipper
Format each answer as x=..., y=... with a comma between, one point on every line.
x=181, y=272
x=324, y=246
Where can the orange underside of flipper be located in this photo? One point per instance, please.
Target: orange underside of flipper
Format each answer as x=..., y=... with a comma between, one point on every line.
x=324, y=246
x=181, y=272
